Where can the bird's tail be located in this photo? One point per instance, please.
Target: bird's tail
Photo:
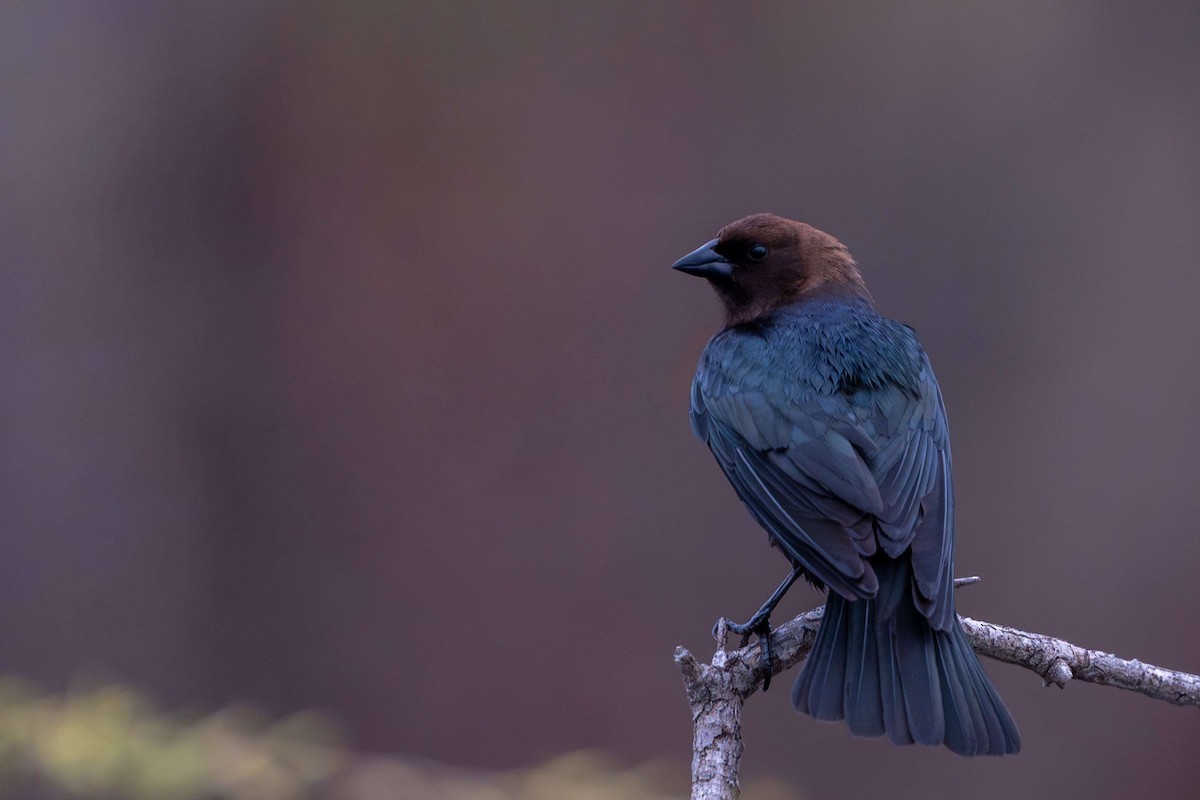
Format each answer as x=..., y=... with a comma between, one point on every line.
x=879, y=665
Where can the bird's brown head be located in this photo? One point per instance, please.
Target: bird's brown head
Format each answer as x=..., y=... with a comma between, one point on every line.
x=763, y=262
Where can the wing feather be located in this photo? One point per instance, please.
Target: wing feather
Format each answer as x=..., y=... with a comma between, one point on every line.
x=833, y=476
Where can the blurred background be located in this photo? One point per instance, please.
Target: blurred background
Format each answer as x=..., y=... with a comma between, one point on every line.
x=344, y=374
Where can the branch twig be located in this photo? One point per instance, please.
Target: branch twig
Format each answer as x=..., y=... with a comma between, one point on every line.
x=716, y=692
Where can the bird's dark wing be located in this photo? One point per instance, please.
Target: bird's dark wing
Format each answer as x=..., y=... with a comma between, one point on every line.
x=913, y=471
x=833, y=475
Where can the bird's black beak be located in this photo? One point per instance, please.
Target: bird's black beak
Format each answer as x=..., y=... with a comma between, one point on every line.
x=705, y=262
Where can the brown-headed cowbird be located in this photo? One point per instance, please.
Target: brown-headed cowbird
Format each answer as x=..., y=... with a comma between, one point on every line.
x=827, y=420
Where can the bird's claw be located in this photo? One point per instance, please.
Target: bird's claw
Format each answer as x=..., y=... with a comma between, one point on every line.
x=723, y=627
x=757, y=625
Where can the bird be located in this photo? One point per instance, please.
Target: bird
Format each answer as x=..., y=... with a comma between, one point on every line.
x=828, y=421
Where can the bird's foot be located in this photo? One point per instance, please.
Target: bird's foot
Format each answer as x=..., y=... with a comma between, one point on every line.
x=760, y=626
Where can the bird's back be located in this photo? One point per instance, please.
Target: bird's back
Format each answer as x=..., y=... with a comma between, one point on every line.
x=828, y=420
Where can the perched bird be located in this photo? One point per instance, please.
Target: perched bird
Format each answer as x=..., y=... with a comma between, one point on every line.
x=827, y=420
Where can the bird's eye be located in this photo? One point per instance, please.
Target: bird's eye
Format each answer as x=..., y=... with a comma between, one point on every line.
x=757, y=252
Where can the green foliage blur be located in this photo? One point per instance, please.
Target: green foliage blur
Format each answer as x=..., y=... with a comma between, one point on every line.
x=107, y=742
x=110, y=742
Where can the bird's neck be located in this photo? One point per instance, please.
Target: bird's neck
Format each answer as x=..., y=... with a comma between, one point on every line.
x=837, y=277
x=847, y=291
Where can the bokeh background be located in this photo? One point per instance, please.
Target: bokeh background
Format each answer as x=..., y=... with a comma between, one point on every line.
x=343, y=370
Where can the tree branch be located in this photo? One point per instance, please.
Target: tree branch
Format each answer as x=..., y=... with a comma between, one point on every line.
x=1059, y=661
x=716, y=692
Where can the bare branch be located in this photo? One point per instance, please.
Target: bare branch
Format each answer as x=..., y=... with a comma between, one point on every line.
x=1058, y=661
x=716, y=692
x=717, y=725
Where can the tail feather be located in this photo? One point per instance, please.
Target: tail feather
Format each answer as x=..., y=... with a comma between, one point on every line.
x=863, y=699
x=881, y=666
x=960, y=704
x=995, y=730
x=914, y=656
x=829, y=674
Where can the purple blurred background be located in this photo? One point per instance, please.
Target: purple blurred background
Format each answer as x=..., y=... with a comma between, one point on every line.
x=343, y=367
